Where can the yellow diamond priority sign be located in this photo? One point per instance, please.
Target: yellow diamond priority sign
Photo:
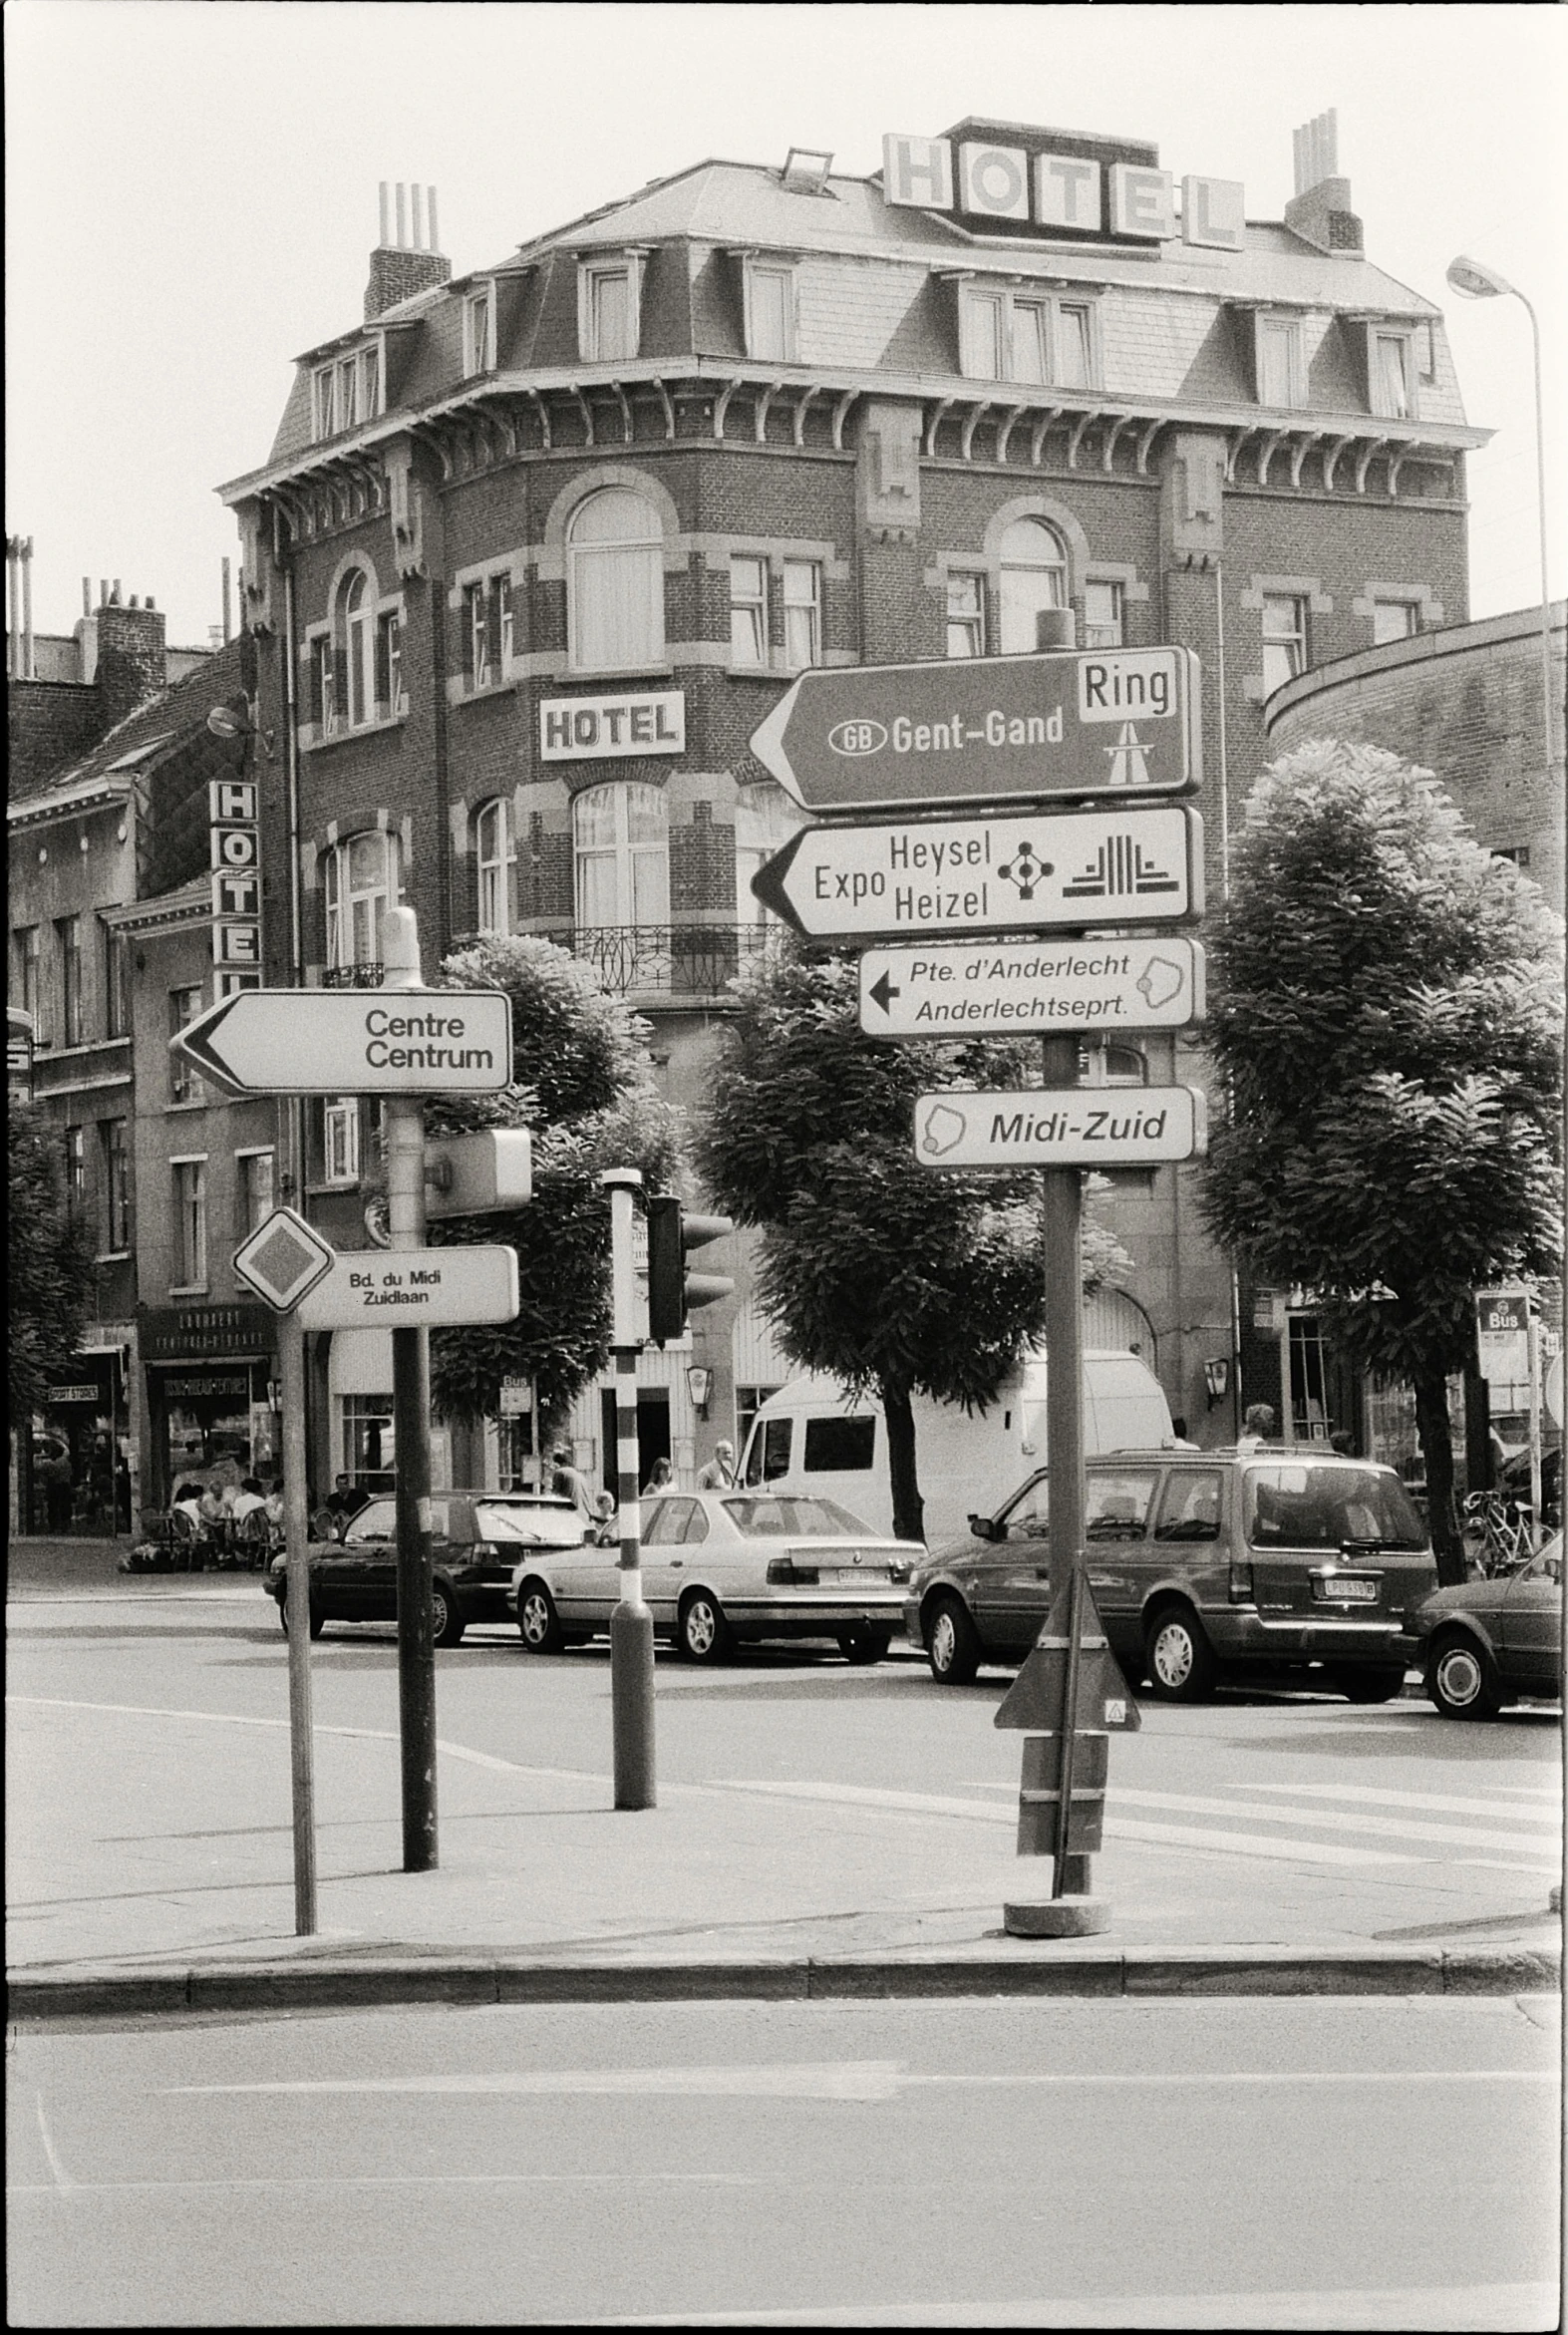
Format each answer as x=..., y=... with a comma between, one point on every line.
x=283, y=1259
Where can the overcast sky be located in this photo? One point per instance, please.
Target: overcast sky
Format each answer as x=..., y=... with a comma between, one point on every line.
x=192, y=198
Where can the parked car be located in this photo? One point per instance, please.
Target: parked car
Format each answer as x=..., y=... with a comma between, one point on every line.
x=1274, y=1560
x=726, y=1567
x=1484, y=1643
x=476, y=1538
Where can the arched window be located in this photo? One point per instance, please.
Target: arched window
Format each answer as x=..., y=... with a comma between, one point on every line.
x=359, y=649
x=356, y=659
x=1034, y=577
x=622, y=839
x=362, y=876
x=615, y=584
x=493, y=849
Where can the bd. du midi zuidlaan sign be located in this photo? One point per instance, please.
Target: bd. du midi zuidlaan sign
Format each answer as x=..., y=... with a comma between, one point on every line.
x=1100, y=722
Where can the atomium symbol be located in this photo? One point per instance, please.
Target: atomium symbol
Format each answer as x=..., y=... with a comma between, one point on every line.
x=1026, y=872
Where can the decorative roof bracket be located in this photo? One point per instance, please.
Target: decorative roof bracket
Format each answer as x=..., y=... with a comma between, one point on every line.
x=939, y=415
x=1005, y=433
x=1330, y=460
x=1374, y=445
x=967, y=442
x=840, y=415
x=1041, y=430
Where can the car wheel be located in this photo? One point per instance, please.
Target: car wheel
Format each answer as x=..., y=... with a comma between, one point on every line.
x=952, y=1643
x=1462, y=1678
x=702, y=1634
x=538, y=1621
x=318, y=1620
x=446, y=1623
x=1179, y=1657
x=1368, y=1686
x=863, y=1646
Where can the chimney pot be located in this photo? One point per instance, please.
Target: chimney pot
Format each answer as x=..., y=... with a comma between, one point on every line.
x=114, y=596
x=434, y=239
x=386, y=215
x=403, y=230
x=149, y=603
x=87, y=596
x=417, y=205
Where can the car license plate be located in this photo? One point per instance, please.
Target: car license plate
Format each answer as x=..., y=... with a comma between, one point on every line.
x=858, y=1576
x=1347, y=1588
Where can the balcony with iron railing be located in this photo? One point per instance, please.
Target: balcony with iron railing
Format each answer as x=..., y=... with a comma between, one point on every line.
x=656, y=963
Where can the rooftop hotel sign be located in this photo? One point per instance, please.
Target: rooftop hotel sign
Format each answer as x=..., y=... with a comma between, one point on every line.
x=1070, y=194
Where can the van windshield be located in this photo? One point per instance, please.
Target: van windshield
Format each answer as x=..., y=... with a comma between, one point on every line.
x=1295, y=1504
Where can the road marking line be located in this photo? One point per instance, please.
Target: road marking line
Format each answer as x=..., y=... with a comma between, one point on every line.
x=63, y=2180
x=1443, y=1802
x=384, y=2181
x=1326, y=1820
x=859, y=2080
x=1439, y=2309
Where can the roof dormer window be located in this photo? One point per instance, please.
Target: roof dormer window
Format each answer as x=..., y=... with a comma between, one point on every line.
x=478, y=331
x=1016, y=332
x=609, y=308
x=1281, y=371
x=1390, y=370
x=347, y=391
x=771, y=328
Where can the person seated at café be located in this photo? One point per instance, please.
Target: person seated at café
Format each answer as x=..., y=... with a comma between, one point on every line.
x=273, y=1503
x=246, y=1500
x=346, y=1500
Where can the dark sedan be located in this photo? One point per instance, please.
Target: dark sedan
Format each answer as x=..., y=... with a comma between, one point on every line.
x=1488, y=1642
x=478, y=1540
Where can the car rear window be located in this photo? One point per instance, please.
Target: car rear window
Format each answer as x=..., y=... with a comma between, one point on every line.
x=1294, y=1504
x=530, y=1519
x=777, y=1517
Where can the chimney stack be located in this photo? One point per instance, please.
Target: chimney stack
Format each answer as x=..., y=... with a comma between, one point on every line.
x=1320, y=210
x=131, y=661
x=229, y=624
x=398, y=268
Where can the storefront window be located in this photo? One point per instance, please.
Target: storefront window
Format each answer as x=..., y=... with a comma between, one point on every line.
x=369, y=1443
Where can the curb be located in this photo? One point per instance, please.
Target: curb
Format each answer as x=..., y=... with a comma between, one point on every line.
x=355, y=1984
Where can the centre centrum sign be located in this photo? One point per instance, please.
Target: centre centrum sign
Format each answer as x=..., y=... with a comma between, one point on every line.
x=1103, y=722
x=354, y=1042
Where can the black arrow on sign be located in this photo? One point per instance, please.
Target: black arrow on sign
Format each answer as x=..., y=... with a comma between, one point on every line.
x=883, y=991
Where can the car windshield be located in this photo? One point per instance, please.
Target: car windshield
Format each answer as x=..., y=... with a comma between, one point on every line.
x=1295, y=1504
x=528, y=1519
x=810, y=1519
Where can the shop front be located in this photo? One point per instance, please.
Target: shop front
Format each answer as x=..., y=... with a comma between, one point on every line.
x=79, y=1462
x=211, y=1396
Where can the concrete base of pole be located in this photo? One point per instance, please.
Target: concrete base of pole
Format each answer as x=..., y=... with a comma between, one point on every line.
x=631, y=1704
x=1058, y=1917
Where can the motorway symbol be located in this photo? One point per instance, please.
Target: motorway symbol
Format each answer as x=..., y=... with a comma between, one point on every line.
x=1059, y=1127
x=983, y=988
x=1132, y=865
x=353, y=1042
x=283, y=1259
x=413, y=1290
x=986, y=728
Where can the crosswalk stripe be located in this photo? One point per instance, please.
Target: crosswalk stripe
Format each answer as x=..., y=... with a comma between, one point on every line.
x=1367, y=1796
x=1323, y=1820
x=1250, y=1843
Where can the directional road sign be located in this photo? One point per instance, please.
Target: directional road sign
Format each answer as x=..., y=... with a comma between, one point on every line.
x=986, y=728
x=283, y=1259
x=413, y=1290
x=1142, y=865
x=1061, y=1127
x=353, y=1042
x=979, y=987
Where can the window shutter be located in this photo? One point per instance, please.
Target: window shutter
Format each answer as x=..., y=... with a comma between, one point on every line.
x=384, y=664
x=470, y=595
x=317, y=710
x=492, y=627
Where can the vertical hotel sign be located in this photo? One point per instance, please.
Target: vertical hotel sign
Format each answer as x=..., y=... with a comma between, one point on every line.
x=236, y=884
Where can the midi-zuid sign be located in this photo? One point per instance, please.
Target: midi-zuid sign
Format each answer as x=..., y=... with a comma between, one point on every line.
x=353, y=1042
x=1061, y=1127
x=1137, y=865
x=1034, y=987
x=987, y=728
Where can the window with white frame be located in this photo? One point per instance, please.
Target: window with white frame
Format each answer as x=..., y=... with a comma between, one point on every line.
x=390, y=698
x=1392, y=376
x=76, y=1166
x=340, y=1140
x=1104, y=613
x=488, y=630
x=323, y=685
x=493, y=858
x=257, y=1188
x=771, y=312
x=29, y=977
x=1284, y=638
x=1073, y=364
x=189, y=1222
x=608, y=300
x=478, y=331
x=1394, y=620
x=361, y=877
x=184, y=1006
x=115, y=1162
x=116, y=984
x=621, y=839
x=346, y=391
x=359, y=640
x=615, y=584
x=803, y=613
x=749, y=610
x=322, y=402
x=1280, y=373
x=355, y=672
x=1012, y=333
x=966, y=616
x=765, y=820
x=982, y=332
x=68, y=935
x=1034, y=575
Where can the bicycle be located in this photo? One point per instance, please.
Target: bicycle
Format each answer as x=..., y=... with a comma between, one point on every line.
x=1497, y=1533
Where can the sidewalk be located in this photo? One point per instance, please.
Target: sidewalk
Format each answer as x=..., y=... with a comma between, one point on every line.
x=134, y=1889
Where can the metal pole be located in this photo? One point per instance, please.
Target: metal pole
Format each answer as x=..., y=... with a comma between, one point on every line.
x=291, y=1356
x=1063, y=1875
x=631, y=1623
x=1064, y=1325
x=405, y=1140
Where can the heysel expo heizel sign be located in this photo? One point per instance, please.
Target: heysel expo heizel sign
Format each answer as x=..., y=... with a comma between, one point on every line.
x=1061, y=1127
x=1141, y=865
x=982, y=728
x=353, y=1042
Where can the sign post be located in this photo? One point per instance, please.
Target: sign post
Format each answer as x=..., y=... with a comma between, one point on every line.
x=631, y=1623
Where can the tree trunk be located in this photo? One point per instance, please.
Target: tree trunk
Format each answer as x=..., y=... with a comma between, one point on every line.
x=1431, y=1425
x=908, y=1506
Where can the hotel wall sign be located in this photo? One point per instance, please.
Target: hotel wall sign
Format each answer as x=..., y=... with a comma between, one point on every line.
x=590, y=729
x=236, y=883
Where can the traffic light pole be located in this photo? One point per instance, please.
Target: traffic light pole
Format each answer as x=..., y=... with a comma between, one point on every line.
x=404, y=1123
x=631, y=1623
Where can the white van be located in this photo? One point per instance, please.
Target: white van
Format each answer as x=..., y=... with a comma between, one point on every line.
x=810, y=1437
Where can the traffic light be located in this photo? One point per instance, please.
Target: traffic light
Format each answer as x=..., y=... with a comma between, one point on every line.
x=672, y=1290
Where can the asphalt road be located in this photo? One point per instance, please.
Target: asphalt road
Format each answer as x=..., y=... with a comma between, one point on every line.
x=1329, y=2164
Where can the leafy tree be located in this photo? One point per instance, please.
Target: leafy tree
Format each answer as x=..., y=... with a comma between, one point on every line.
x=585, y=1089
x=49, y=1288
x=1386, y=1005
x=875, y=1270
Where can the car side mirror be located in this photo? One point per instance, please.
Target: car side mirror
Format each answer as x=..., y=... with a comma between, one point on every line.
x=983, y=1527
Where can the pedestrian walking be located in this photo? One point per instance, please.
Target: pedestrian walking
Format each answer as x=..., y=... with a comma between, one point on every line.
x=568, y=1482
x=660, y=1479
x=718, y=1474
x=1258, y=1425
